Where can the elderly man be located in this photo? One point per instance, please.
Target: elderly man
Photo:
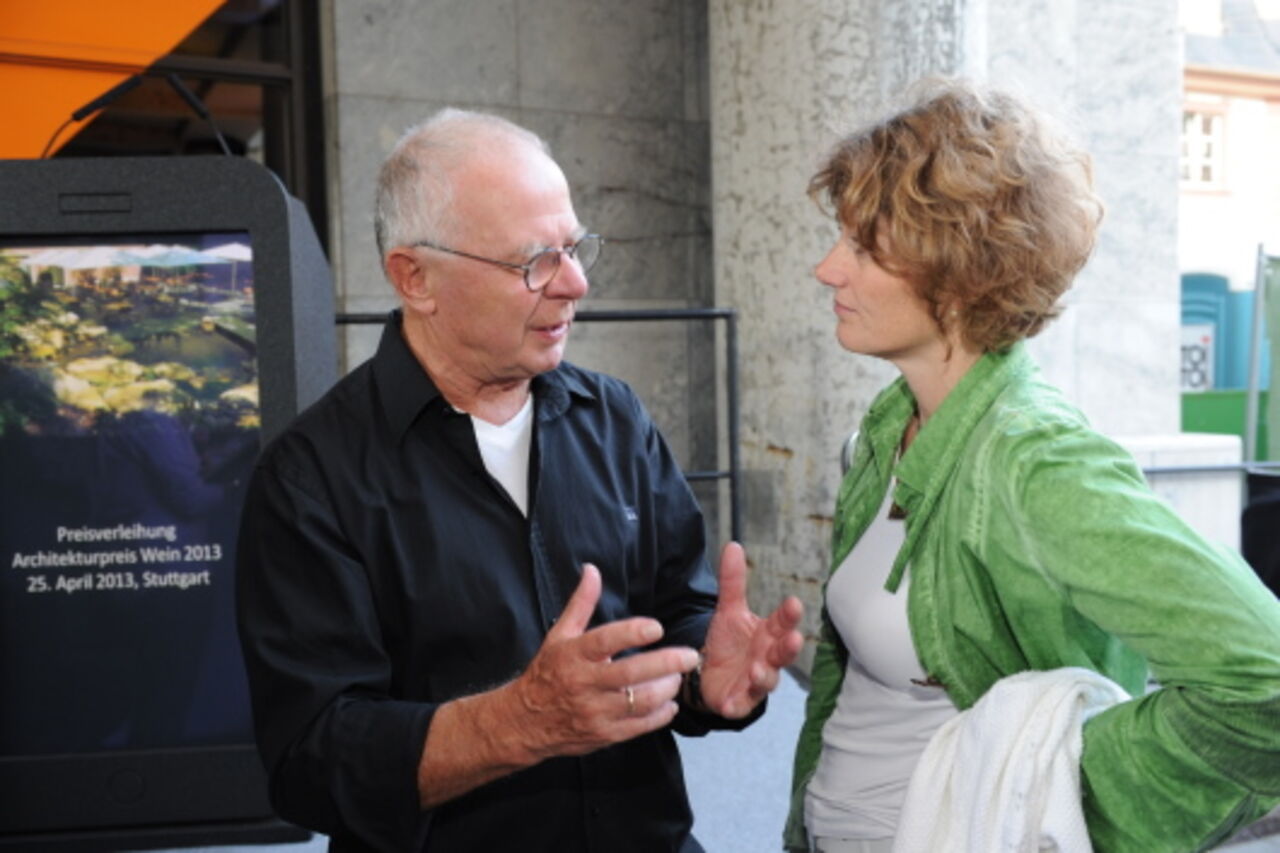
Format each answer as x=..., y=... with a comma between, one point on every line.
x=472, y=582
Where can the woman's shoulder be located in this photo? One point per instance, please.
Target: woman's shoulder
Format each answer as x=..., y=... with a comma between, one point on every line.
x=1032, y=422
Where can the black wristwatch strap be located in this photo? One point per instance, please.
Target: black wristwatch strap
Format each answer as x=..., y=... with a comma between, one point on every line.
x=691, y=688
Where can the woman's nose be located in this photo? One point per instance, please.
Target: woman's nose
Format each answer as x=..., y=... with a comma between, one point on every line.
x=825, y=271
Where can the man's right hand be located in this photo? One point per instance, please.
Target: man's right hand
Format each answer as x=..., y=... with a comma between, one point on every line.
x=577, y=696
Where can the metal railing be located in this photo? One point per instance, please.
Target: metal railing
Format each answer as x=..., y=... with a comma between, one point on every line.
x=846, y=456
x=1243, y=467
x=730, y=318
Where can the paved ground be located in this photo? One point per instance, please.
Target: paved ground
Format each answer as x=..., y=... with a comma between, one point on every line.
x=739, y=782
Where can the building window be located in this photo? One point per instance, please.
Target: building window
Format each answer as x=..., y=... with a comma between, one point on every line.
x=1202, y=148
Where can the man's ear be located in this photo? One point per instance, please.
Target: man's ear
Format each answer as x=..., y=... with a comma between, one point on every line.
x=412, y=280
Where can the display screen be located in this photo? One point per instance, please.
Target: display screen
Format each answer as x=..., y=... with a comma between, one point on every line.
x=129, y=421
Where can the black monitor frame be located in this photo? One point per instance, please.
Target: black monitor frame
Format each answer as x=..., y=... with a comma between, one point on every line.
x=196, y=795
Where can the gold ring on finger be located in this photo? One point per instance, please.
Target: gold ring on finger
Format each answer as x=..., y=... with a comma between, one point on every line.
x=631, y=699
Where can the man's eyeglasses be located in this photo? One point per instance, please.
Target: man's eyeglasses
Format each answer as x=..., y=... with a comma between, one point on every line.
x=542, y=267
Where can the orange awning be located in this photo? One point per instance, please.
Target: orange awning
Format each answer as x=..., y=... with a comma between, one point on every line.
x=57, y=55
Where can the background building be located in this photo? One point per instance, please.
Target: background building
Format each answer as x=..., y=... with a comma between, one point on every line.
x=1229, y=175
x=1229, y=212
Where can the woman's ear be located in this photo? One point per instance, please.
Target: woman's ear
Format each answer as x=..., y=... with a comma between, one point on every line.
x=412, y=280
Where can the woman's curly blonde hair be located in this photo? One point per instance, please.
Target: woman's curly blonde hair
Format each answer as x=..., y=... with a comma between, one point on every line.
x=973, y=198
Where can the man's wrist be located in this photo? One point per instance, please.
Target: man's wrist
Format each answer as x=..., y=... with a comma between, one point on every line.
x=691, y=688
x=471, y=741
x=516, y=713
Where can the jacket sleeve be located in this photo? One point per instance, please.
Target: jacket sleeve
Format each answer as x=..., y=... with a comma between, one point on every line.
x=340, y=752
x=1181, y=767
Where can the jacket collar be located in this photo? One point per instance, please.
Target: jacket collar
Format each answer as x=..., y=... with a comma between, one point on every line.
x=925, y=468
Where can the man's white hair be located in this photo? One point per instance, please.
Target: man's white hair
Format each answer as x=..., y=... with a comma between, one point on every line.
x=415, y=185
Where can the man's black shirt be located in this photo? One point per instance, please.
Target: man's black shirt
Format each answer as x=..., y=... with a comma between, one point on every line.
x=382, y=571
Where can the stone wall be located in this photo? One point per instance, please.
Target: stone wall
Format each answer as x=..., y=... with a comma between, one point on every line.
x=662, y=110
x=786, y=80
x=619, y=90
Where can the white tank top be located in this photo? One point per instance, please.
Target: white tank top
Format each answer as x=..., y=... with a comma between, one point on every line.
x=882, y=721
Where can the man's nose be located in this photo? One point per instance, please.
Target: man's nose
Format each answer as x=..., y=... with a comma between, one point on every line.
x=569, y=282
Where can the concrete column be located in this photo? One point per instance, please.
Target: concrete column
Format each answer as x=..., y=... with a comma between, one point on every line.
x=786, y=80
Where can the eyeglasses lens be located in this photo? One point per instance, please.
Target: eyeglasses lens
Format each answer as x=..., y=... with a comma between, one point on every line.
x=584, y=253
x=587, y=251
x=543, y=269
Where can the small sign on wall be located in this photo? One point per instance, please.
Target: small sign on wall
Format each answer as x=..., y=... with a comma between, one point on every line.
x=1197, y=356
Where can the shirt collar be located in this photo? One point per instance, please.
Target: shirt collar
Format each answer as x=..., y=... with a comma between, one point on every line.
x=406, y=389
x=552, y=391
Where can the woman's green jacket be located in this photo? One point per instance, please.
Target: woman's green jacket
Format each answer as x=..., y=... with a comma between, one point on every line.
x=1034, y=543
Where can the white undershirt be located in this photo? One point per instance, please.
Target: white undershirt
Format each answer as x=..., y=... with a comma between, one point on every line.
x=505, y=451
x=882, y=722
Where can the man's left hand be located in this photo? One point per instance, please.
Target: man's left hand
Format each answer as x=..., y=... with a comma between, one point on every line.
x=744, y=653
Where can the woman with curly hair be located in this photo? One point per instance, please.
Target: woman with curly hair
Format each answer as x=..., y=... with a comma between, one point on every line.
x=985, y=532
